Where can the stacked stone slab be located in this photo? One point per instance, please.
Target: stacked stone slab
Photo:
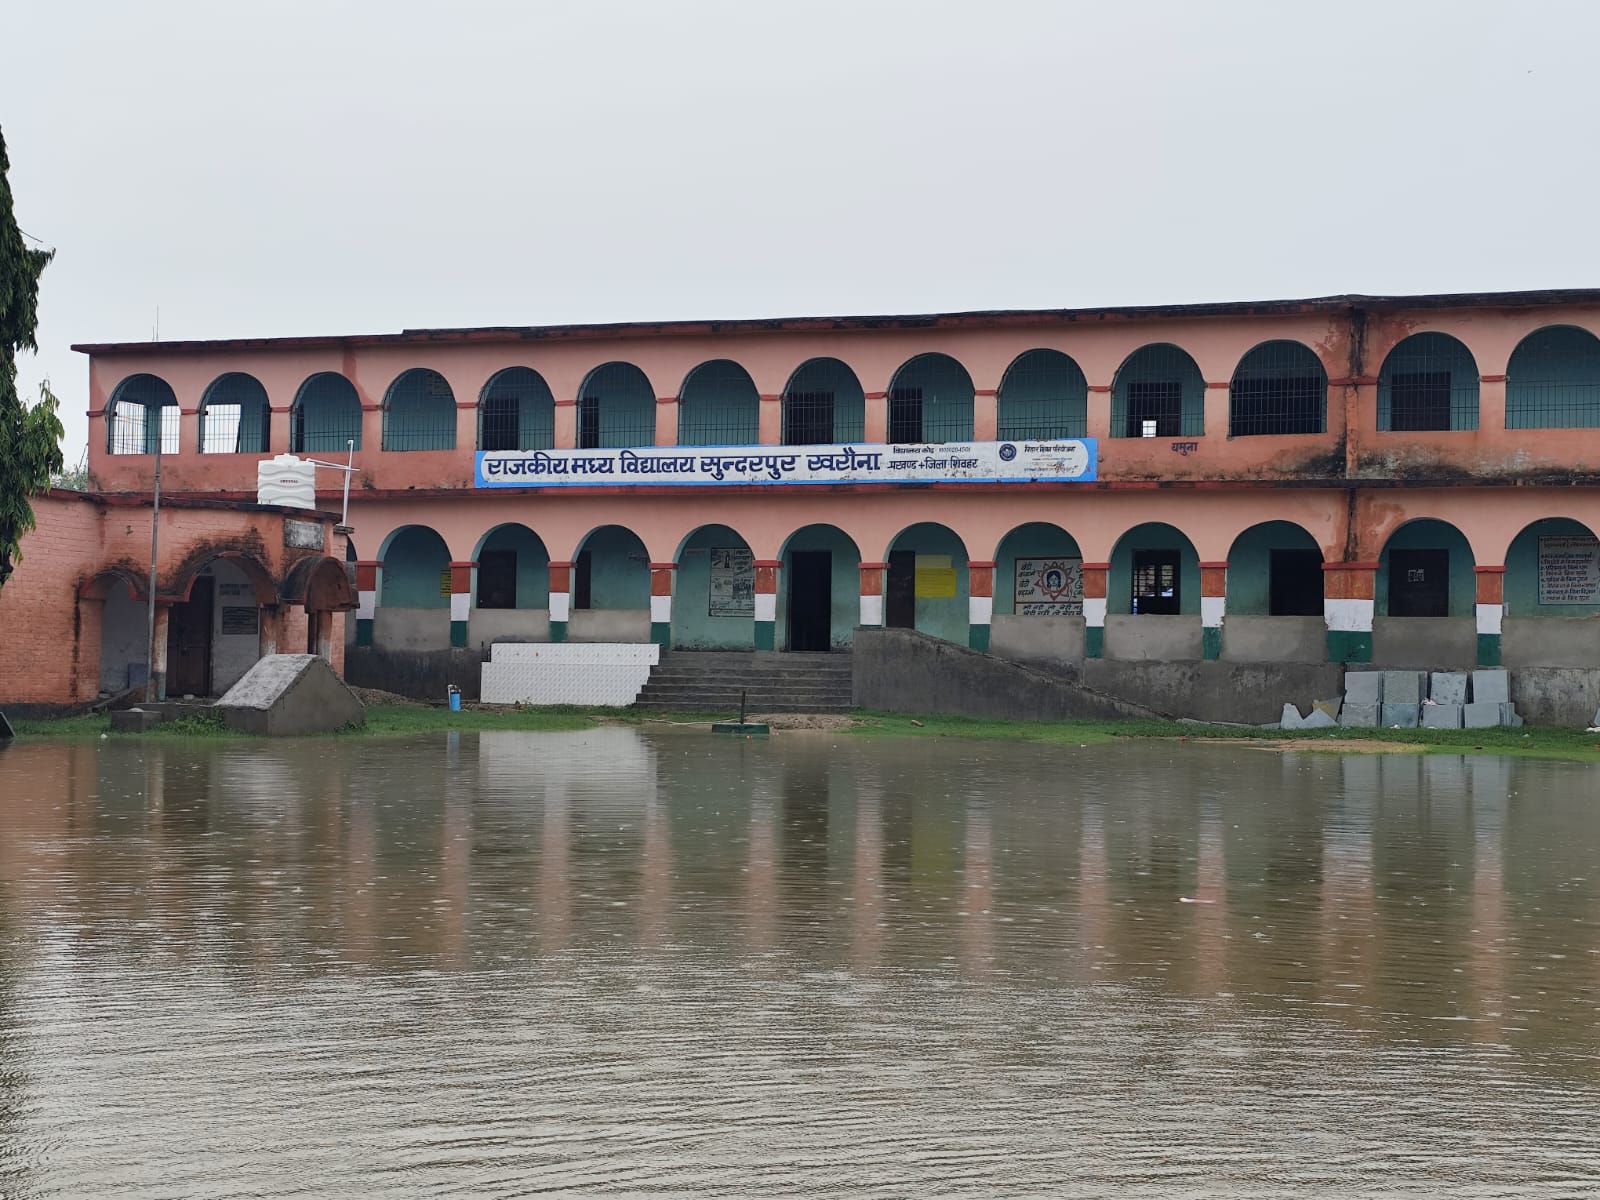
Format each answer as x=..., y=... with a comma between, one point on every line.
x=1396, y=698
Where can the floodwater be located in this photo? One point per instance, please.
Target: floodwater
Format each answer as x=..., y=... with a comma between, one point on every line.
x=623, y=963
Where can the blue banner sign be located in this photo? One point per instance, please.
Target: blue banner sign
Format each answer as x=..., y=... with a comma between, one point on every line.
x=1071, y=460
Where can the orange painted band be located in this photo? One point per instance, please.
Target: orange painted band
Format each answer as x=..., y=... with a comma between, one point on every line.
x=669, y=566
x=1490, y=570
x=1349, y=566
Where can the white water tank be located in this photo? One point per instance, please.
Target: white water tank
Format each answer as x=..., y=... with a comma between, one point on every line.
x=286, y=480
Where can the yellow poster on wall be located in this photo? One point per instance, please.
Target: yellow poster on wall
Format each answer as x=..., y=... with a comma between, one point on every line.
x=936, y=578
x=444, y=583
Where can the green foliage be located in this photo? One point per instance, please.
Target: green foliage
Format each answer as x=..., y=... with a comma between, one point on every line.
x=30, y=435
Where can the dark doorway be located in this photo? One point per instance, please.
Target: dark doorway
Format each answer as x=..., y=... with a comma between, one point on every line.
x=810, y=599
x=1294, y=583
x=497, y=579
x=1155, y=582
x=582, y=578
x=1419, y=583
x=900, y=596
x=189, y=641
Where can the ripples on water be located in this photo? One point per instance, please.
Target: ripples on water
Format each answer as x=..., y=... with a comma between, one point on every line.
x=613, y=963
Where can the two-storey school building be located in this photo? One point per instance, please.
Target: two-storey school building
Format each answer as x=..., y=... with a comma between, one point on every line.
x=1397, y=480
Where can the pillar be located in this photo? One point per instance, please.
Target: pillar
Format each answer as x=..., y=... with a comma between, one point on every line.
x=770, y=416
x=985, y=416
x=1095, y=577
x=156, y=685
x=666, y=420
x=1492, y=403
x=294, y=633
x=1216, y=411
x=322, y=624
x=560, y=600
x=566, y=427
x=1491, y=609
x=372, y=426
x=1213, y=600
x=1347, y=609
x=872, y=574
x=980, y=603
x=661, y=603
x=267, y=635
x=460, y=601
x=280, y=429
x=188, y=431
x=366, y=600
x=767, y=603
x=1099, y=410
x=876, y=419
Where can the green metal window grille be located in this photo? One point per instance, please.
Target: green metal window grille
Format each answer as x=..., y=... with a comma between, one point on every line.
x=1279, y=387
x=719, y=406
x=616, y=408
x=823, y=405
x=1428, y=382
x=326, y=416
x=1043, y=395
x=130, y=427
x=419, y=413
x=516, y=411
x=1553, y=380
x=233, y=416
x=930, y=400
x=1160, y=388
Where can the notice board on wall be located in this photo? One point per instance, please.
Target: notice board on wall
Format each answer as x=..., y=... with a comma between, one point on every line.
x=1569, y=570
x=1049, y=587
x=733, y=583
x=936, y=578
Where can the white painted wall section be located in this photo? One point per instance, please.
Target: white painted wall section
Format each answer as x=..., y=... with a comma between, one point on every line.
x=607, y=674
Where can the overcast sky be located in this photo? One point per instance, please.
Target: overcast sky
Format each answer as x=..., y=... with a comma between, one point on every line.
x=314, y=168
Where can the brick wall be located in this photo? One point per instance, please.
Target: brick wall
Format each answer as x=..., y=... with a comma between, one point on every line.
x=41, y=634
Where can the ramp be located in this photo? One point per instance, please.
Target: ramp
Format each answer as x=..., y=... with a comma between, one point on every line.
x=288, y=694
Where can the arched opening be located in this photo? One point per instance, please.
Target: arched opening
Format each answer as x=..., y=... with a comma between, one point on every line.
x=1425, y=570
x=719, y=406
x=142, y=417
x=1279, y=387
x=326, y=415
x=610, y=588
x=616, y=408
x=823, y=405
x=321, y=588
x=234, y=416
x=926, y=588
x=1043, y=395
x=819, y=589
x=714, y=593
x=124, y=631
x=516, y=411
x=930, y=400
x=413, y=610
x=419, y=412
x=1153, y=596
x=513, y=587
x=1158, y=392
x=1429, y=382
x=1553, y=380
x=1038, y=595
x=1552, y=595
x=214, y=631
x=1275, y=570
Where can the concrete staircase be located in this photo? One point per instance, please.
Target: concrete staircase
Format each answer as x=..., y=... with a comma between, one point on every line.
x=711, y=680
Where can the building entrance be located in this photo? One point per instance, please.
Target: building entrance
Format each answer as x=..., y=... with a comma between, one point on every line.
x=900, y=591
x=1419, y=583
x=189, y=641
x=810, y=599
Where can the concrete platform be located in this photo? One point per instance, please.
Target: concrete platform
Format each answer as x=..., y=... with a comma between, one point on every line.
x=287, y=694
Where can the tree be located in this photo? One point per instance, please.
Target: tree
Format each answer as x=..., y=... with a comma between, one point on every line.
x=30, y=435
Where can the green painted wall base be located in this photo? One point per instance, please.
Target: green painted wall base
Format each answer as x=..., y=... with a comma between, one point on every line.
x=1488, y=649
x=1348, y=646
x=978, y=637
x=558, y=631
x=1094, y=641
x=458, y=633
x=363, y=631
x=766, y=635
x=661, y=633
x=1211, y=643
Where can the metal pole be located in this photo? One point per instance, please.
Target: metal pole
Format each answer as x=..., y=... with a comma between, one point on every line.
x=345, y=518
x=150, y=606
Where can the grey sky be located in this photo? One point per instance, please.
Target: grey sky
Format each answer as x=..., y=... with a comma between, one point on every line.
x=339, y=167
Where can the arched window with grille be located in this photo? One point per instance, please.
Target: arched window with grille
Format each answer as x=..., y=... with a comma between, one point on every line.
x=234, y=416
x=419, y=412
x=1279, y=387
x=616, y=408
x=930, y=400
x=516, y=411
x=823, y=405
x=1553, y=380
x=1428, y=382
x=325, y=416
x=1158, y=392
x=1043, y=395
x=142, y=417
x=719, y=406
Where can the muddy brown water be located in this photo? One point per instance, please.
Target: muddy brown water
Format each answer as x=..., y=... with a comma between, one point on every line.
x=634, y=963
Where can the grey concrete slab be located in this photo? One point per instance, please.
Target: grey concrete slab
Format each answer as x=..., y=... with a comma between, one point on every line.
x=1441, y=716
x=1512, y=717
x=1402, y=687
x=1448, y=687
x=1491, y=687
x=1319, y=718
x=1291, y=718
x=1331, y=707
x=1482, y=714
x=1402, y=715
x=1363, y=687
x=134, y=720
x=1359, y=716
x=286, y=694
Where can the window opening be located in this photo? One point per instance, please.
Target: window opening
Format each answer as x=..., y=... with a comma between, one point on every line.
x=1294, y=583
x=589, y=423
x=1160, y=401
x=808, y=419
x=497, y=579
x=905, y=415
x=1155, y=581
x=1420, y=400
x=501, y=421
